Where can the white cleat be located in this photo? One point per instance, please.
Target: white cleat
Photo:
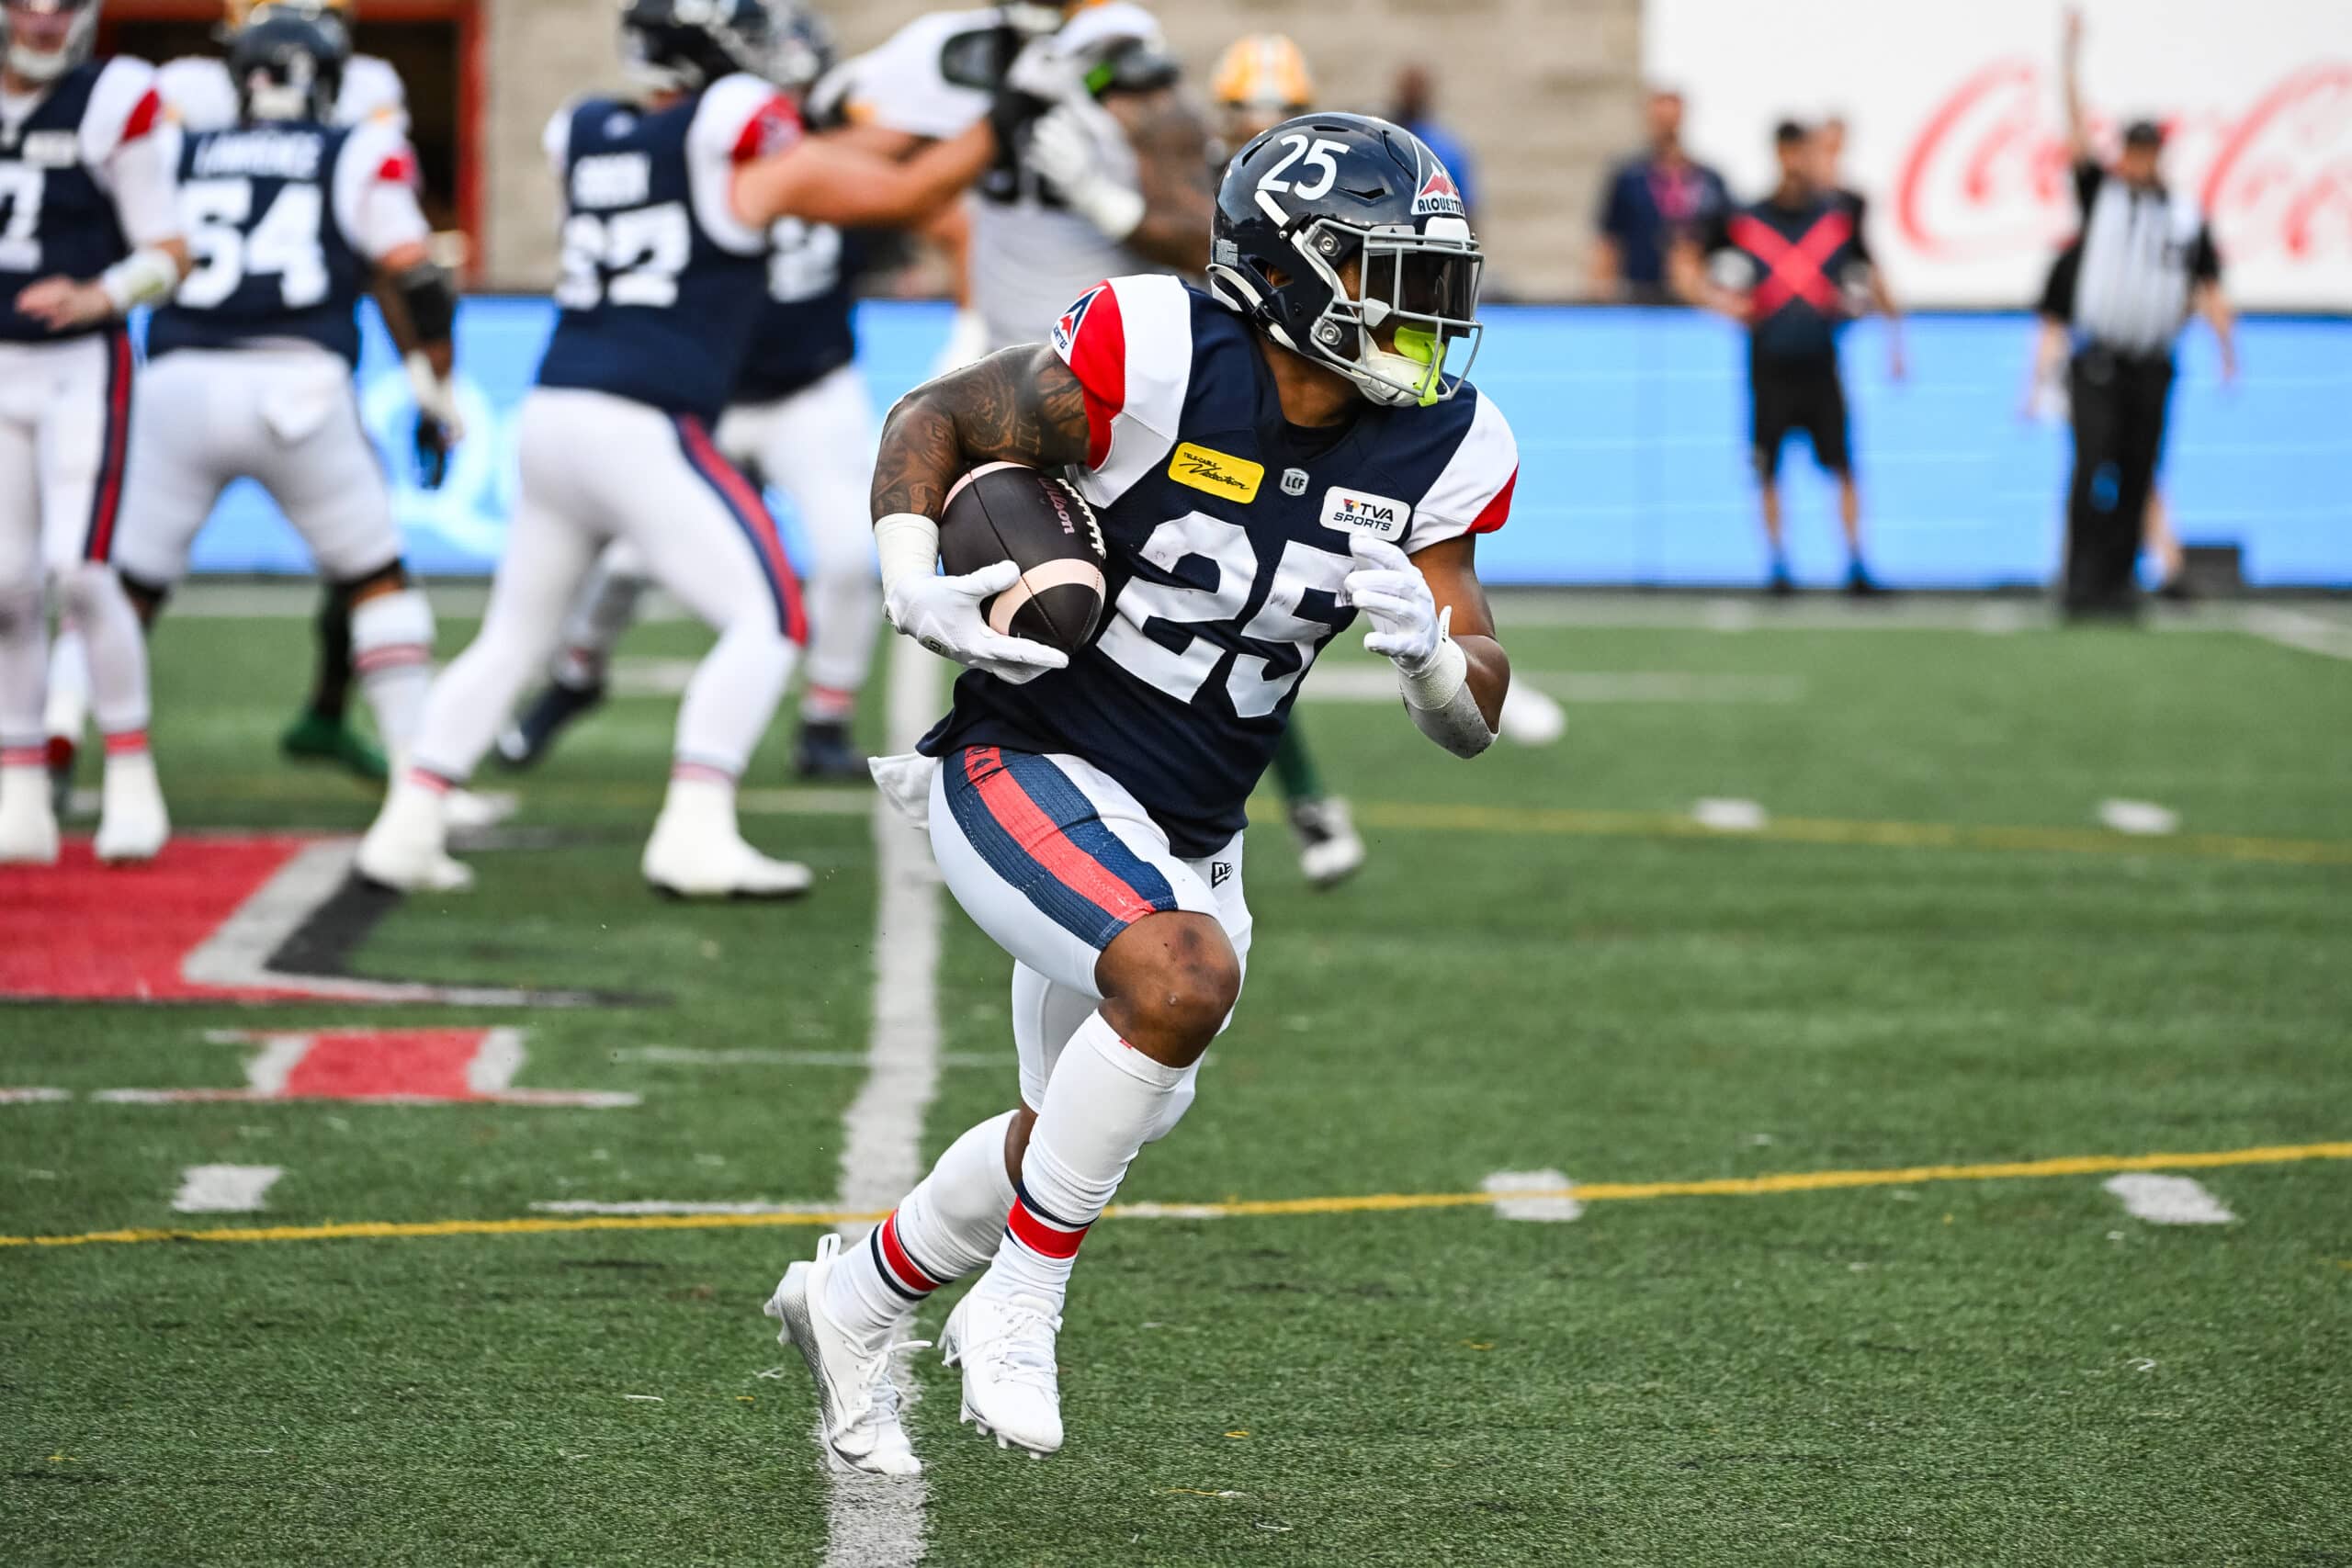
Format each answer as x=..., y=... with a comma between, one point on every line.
x=856, y=1402
x=406, y=846
x=696, y=852
x=1530, y=717
x=468, y=812
x=1012, y=1386
x=28, y=820
x=132, y=823
x=1329, y=851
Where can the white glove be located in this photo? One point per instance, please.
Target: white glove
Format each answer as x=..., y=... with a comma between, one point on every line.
x=1062, y=152
x=1406, y=627
x=944, y=614
x=1043, y=70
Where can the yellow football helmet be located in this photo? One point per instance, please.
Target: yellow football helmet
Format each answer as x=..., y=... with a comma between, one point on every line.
x=1263, y=71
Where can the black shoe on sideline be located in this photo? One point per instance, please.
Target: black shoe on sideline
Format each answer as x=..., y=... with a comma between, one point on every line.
x=524, y=742
x=825, y=755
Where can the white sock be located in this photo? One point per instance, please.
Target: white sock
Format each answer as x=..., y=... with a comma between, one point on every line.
x=24, y=663
x=68, y=710
x=948, y=1227
x=94, y=601
x=391, y=651
x=732, y=696
x=601, y=612
x=1102, y=1103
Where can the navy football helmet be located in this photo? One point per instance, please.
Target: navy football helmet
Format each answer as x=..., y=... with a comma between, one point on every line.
x=804, y=47
x=286, y=63
x=1326, y=201
x=685, y=45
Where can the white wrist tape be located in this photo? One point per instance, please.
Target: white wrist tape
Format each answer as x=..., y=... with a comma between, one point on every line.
x=433, y=396
x=908, y=546
x=1111, y=207
x=1438, y=697
x=140, y=278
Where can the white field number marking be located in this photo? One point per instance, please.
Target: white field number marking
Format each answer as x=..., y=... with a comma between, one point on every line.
x=1548, y=1210
x=2167, y=1199
x=1730, y=816
x=2142, y=818
x=224, y=1188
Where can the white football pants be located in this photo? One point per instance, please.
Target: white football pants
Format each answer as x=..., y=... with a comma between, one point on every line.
x=597, y=469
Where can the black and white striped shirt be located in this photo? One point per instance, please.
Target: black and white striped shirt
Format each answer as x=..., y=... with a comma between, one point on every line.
x=2142, y=255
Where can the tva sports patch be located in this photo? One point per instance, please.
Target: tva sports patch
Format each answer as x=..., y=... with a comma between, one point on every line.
x=1375, y=516
x=1219, y=473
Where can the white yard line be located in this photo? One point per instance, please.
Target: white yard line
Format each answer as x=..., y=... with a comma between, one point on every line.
x=34, y=1096
x=873, y=1521
x=2167, y=1199
x=224, y=1188
x=1555, y=1206
x=2327, y=637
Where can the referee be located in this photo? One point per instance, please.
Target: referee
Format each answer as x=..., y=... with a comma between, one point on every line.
x=2145, y=256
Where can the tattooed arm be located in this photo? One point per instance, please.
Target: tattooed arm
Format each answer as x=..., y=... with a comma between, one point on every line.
x=1021, y=405
x=1172, y=144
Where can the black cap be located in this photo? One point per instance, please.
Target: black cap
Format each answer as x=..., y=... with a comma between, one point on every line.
x=2143, y=133
x=1788, y=132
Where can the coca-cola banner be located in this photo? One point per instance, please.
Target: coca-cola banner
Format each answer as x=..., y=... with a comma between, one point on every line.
x=1957, y=125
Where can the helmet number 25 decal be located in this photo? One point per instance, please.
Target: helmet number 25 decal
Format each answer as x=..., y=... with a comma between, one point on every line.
x=1317, y=155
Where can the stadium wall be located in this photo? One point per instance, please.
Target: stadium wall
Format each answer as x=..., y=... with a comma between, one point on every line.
x=1631, y=429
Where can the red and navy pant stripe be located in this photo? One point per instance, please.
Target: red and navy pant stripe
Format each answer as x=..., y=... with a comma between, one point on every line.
x=1036, y=829
x=1036, y=1228
x=744, y=503
x=900, y=1270
x=114, y=446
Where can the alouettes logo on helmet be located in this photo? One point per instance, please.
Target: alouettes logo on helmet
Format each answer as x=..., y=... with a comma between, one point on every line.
x=1438, y=196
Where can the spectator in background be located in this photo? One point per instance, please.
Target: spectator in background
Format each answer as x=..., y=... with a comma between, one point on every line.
x=1785, y=269
x=1652, y=202
x=1414, y=111
x=1867, y=280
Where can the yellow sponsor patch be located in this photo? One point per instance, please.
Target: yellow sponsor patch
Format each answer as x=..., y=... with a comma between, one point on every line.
x=1236, y=478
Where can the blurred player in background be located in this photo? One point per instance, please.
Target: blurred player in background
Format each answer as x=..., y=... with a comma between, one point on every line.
x=671, y=196
x=199, y=93
x=802, y=421
x=1087, y=810
x=1864, y=282
x=1793, y=270
x=89, y=229
x=250, y=365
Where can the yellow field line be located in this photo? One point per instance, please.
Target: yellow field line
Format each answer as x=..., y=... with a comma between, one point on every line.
x=1830, y=830
x=1374, y=1202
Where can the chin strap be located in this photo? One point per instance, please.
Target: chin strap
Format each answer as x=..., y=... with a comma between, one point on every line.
x=1438, y=697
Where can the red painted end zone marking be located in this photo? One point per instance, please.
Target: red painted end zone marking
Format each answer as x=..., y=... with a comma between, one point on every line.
x=423, y=1064
x=79, y=930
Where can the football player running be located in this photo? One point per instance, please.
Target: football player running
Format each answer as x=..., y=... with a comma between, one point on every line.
x=88, y=230
x=250, y=364
x=202, y=95
x=800, y=420
x=1268, y=461
x=671, y=197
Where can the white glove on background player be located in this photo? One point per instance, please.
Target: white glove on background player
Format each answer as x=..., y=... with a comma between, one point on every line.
x=944, y=614
x=1063, y=153
x=1395, y=596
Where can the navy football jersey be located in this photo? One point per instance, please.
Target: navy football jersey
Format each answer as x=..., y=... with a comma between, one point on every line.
x=57, y=216
x=1229, y=531
x=808, y=330
x=660, y=276
x=271, y=213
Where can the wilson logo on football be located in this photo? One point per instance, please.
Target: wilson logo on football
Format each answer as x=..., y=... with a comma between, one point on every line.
x=1438, y=195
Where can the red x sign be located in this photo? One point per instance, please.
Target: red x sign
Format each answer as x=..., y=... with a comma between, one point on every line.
x=1796, y=268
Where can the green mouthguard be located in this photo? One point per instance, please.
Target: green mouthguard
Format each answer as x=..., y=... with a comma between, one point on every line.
x=1421, y=347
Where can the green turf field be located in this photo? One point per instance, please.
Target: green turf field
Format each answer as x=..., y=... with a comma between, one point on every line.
x=1931, y=954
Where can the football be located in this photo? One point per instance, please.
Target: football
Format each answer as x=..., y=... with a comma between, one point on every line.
x=1008, y=511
